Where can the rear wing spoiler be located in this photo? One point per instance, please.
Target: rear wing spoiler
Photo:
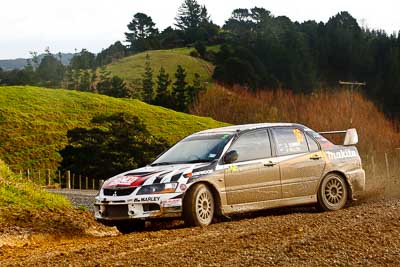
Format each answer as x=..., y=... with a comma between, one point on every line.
x=351, y=137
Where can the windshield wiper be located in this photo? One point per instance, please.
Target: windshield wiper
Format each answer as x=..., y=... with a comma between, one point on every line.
x=164, y=163
x=199, y=161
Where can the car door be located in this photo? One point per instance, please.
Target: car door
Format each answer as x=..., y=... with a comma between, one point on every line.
x=301, y=161
x=254, y=176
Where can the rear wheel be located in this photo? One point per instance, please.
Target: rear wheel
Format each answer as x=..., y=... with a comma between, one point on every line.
x=199, y=206
x=333, y=193
x=127, y=227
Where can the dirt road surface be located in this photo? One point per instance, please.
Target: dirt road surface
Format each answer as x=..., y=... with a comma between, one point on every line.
x=364, y=234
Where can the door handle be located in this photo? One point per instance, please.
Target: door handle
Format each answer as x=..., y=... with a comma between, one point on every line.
x=315, y=157
x=269, y=164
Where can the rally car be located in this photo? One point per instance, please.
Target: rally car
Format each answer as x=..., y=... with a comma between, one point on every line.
x=235, y=169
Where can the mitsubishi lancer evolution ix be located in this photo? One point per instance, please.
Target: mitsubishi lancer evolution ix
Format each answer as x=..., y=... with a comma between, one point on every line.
x=235, y=169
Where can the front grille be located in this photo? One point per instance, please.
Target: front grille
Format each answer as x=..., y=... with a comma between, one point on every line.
x=119, y=191
x=151, y=207
x=117, y=211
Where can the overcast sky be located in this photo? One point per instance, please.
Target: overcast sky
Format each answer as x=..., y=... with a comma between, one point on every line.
x=27, y=25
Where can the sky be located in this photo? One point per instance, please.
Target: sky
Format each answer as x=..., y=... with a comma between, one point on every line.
x=70, y=25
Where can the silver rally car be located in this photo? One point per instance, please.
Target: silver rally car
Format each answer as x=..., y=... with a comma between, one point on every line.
x=235, y=169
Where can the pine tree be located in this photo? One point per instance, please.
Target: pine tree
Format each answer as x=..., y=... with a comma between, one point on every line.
x=93, y=81
x=163, y=97
x=194, y=89
x=68, y=81
x=142, y=33
x=84, y=84
x=189, y=15
x=147, y=82
x=179, y=89
x=76, y=79
x=104, y=84
x=118, y=88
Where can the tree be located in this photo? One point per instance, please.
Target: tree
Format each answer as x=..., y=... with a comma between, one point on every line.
x=171, y=38
x=194, y=89
x=118, y=88
x=200, y=48
x=189, y=15
x=113, y=52
x=76, y=77
x=68, y=81
x=84, y=84
x=179, y=89
x=83, y=60
x=116, y=143
x=50, y=71
x=163, y=96
x=142, y=33
x=104, y=83
x=147, y=81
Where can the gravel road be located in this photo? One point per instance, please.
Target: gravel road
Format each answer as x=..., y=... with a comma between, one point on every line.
x=79, y=198
x=364, y=234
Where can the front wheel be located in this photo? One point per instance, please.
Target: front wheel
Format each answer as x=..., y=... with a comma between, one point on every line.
x=333, y=193
x=198, y=207
x=127, y=227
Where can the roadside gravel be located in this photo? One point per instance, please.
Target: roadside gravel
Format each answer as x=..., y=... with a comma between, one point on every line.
x=364, y=234
x=79, y=198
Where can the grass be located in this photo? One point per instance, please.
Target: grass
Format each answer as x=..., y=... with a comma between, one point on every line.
x=21, y=194
x=131, y=68
x=34, y=122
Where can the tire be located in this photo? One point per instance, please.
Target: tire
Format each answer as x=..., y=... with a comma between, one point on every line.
x=199, y=206
x=127, y=227
x=333, y=193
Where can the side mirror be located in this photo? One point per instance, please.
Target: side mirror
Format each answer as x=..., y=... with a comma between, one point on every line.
x=351, y=137
x=231, y=157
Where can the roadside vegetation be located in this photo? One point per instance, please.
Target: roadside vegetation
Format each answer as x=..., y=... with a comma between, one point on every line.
x=118, y=142
x=323, y=110
x=35, y=121
x=16, y=193
x=27, y=210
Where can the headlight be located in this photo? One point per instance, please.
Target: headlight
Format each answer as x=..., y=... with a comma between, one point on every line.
x=157, y=189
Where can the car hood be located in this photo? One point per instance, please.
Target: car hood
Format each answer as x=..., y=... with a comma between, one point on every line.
x=159, y=174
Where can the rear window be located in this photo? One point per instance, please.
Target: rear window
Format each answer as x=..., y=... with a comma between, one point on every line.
x=325, y=143
x=290, y=141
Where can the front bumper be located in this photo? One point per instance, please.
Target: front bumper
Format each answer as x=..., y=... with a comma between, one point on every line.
x=138, y=207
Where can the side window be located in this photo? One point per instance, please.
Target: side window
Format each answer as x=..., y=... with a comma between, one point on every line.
x=290, y=141
x=253, y=145
x=312, y=144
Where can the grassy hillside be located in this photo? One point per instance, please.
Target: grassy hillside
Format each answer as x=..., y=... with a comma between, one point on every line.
x=15, y=194
x=26, y=209
x=34, y=121
x=132, y=68
x=322, y=110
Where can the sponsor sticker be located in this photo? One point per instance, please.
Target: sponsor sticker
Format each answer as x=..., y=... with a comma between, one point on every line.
x=233, y=168
x=341, y=154
x=299, y=135
x=146, y=199
x=183, y=187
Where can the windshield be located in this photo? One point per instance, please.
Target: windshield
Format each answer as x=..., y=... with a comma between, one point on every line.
x=193, y=149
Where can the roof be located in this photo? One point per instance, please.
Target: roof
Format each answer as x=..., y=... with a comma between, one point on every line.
x=235, y=128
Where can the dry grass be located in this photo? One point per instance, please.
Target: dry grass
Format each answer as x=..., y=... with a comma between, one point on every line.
x=322, y=110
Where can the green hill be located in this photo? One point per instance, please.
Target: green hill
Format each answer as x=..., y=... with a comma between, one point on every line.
x=131, y=68
x=34, y=122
